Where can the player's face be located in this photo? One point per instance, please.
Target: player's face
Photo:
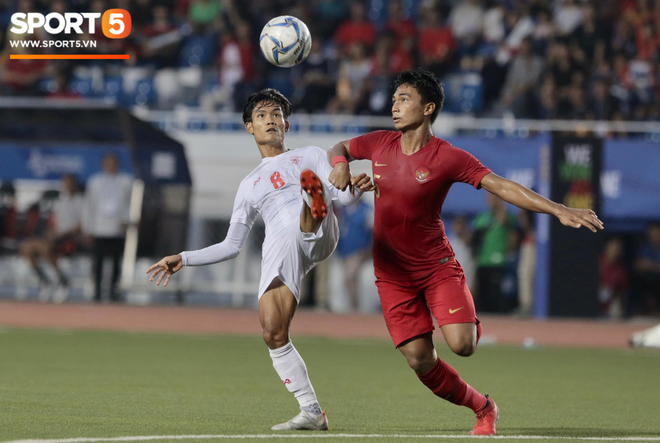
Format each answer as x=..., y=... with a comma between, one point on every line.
x=407, y=108
x=268, y=125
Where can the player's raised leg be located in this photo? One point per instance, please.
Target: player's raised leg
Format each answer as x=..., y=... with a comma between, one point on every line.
x=276, y=309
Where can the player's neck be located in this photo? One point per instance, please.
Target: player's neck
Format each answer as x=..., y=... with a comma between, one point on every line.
x=414, y=139
x=268, y=150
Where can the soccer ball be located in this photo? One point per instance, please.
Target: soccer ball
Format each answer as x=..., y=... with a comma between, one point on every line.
x=285, y=41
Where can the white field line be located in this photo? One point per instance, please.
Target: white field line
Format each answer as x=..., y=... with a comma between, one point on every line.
x=292, y=436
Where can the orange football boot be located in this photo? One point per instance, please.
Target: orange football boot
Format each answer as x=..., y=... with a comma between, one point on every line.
x=486, y=419
x=311, y=184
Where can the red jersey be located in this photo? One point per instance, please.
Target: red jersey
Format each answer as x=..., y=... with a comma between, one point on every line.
x=409, y=237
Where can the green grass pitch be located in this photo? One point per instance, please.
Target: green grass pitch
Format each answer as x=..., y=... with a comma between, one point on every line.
x=59, y=384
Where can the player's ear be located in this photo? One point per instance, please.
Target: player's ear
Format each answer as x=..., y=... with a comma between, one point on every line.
x=429, y=108
x=286, y=126
x=249, y=128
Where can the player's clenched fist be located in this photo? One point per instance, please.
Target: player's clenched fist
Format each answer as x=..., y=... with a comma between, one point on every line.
x=168, y=266
x=340, y=177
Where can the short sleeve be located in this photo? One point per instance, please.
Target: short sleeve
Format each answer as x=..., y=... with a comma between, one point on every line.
x=363, y=147
x=243, y=212
x=466, y=168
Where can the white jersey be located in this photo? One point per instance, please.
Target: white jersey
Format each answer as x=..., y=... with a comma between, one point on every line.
x=273, y=190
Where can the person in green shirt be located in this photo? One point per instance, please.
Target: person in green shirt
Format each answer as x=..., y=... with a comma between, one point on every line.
x=493, y=230
x=203, y=12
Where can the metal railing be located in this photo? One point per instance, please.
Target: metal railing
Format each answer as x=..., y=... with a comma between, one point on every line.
x=198, y=120
x=195, y=119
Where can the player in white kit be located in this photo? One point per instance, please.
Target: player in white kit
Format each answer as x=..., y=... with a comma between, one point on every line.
x=292, y=192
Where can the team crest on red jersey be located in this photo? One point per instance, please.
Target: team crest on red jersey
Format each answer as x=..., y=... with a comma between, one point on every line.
x=295, y=160
x=422, y=174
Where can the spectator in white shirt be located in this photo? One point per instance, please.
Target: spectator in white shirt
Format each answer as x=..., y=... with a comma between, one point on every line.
x=467, y=21
x=106, y=210
x=568, y=16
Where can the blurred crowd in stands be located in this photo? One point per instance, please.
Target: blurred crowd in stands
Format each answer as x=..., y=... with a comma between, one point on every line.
x=542, y=59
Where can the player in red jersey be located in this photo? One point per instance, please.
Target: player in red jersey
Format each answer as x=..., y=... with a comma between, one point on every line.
x=416, y=272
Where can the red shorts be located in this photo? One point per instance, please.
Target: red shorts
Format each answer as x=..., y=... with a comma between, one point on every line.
x=408, y=307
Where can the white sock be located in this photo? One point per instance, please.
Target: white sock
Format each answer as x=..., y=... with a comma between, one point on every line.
x=292, y=371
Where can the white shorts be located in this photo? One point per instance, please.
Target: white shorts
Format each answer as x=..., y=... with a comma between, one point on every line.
x=290, y=257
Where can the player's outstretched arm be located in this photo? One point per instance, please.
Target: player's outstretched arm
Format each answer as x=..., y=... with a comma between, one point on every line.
x=339, y=156
x=226, y=250
x=525, y=198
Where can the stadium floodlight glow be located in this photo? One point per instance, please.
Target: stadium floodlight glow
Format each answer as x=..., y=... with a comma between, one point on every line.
x=70, y=21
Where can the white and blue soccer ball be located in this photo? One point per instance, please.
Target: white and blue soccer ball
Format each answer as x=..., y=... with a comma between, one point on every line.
x=285, y=41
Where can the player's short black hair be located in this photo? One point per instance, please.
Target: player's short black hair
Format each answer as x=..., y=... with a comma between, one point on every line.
x=266, y=97
x=426, y=85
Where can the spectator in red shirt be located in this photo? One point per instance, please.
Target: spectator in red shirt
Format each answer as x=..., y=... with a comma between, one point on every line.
x=399, y=57
x=398, y=23
x=613, y=280
x=436, y=43
x=355, y=30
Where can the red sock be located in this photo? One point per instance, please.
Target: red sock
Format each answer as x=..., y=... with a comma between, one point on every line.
x=445, y=382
